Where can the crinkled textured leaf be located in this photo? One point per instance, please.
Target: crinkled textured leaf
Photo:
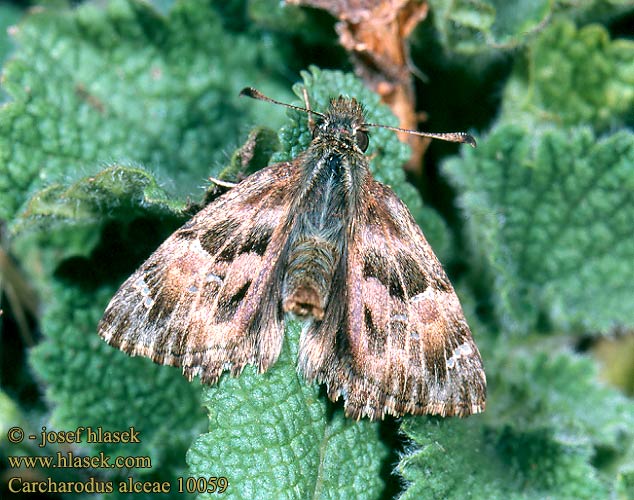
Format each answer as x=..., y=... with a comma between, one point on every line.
x=65, y=222
x=274, y=436
x=479, y=26
x=574, y=77
x=535, y=388
x=95, y=385
x=470, y=26
x=459, y=460
x=122, y=192
x=551, y=214
x=387, y=152
x=121, y=83
x=531, y=443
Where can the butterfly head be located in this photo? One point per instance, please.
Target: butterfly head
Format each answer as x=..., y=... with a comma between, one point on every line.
x=344, y=122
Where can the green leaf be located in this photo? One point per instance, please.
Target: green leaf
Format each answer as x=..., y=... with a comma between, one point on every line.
x=574, y=77
x=274, y=436
x=549, y=215
x=121, y=83
x=471, y=26
x=483, y=26
x=122, y=192
x=550, y=431
x=63, y=222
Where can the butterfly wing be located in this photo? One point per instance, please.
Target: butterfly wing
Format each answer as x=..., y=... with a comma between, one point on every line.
x=398, y=342
x=206, y=299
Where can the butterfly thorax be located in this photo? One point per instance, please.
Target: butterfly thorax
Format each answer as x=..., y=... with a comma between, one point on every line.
x=343, y=125
x=332, y=170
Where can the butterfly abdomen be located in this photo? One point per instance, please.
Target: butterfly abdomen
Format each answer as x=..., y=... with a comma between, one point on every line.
x=311, y=266
x=314, y=249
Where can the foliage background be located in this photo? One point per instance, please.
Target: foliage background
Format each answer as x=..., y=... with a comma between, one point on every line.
x=115, y=113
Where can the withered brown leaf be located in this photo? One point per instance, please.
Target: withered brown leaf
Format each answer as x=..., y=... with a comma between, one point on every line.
x=375, y=35
x=320, y=239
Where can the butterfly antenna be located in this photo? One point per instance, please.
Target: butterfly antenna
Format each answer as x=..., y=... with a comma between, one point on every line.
x=256, y=94
x=461, y=137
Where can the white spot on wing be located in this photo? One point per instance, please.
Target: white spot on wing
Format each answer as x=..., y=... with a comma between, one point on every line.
x=142, y=287
x=144, y=290
x=213, y=277
x=462, y=351
x=426, y=295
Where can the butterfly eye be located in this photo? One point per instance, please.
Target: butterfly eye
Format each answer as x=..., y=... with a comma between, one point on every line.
x=362, y=139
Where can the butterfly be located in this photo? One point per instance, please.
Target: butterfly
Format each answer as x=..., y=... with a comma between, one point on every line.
x=318, y=239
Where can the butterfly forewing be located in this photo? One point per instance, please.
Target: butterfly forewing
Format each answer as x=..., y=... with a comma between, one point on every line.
x=206, y=299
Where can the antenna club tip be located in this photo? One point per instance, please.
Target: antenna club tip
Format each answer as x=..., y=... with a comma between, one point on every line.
x=249, y=92
x=470, y=140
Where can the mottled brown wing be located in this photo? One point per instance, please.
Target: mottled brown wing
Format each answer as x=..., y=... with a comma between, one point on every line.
x=208, y=298
x=399, y=342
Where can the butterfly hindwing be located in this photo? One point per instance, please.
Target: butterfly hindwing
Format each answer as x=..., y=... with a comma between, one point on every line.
x=204, y=300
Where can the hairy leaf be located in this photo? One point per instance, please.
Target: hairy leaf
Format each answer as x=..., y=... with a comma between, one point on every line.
x=470, y=26
x=274, y=436
x=550, y=431
x=573, y=77
x=549, y=212
x=481, y=26
x=120, y=84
